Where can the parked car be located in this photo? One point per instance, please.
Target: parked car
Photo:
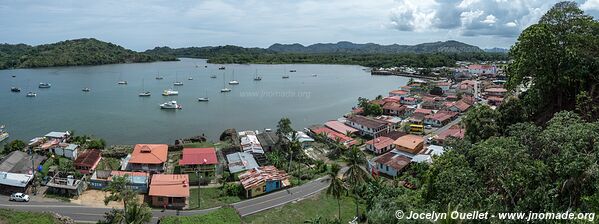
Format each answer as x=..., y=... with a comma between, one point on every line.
x=19, y=197
x=428, y=126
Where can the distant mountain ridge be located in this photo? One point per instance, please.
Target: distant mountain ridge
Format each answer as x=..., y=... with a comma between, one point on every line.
x=450, y=46
x=496, y=50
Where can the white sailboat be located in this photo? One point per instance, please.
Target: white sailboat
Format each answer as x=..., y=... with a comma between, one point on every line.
x=143, y=92
x=257, y=77
x=170, y=105
x=224, y=89
x=121, y=81
x=204, y=98
x=233, y=81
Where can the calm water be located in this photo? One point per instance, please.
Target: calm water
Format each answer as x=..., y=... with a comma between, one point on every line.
x=117, y=114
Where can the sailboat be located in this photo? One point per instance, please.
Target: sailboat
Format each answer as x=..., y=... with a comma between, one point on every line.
x=205, y=98
x=86, y=89
x=143, y=89
x=213, y=76
x=233, y=81
x=158, y=77
x=31, y=94
x=43, y=85
x=121, y=81
x=285, y=76
x=257, y=77
x=177, y=82
x=224, y=89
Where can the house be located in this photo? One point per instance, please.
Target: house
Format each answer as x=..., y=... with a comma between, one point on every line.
x=56, y=135
x=443, y=85
x=495, y=91
x=409, y=143
x=394, y=122
x=138, y=181
x=268, y=140
x=203, y=160
x=65, y=149
x=14, y=183
x=409, y=101
x=263, y=180
x=459, y=106
x=394, y=109
x=477, y=69
x=455, y=132
x=65, y=184
x=440, y=118
x=368, y=126
x=422, y=112
x=340, y=127
x=380, y=145
x=399, y=93
x=495, y=100
x=148, y=158
x=392, y=99
x=250, y=143
x=87, y=162
x=389, y=163
x=241, y=161
x=20, y=162
x=302, y=138
x=169, y=190
x=333, y=136
x=466, y=87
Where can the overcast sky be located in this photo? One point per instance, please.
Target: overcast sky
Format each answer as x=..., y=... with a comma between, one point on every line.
x=140, y=25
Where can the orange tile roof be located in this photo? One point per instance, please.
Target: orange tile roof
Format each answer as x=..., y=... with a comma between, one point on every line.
x=380, y=142
x=149, y=154
x=255, y=177
x=170, y=185
x=410, y=142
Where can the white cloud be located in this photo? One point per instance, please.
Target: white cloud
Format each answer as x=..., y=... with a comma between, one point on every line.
x=590, y=5
x=490, y=19
x=511, y=24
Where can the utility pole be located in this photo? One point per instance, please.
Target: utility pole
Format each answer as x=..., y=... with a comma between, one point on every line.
x=199, y=187
x=33, y=171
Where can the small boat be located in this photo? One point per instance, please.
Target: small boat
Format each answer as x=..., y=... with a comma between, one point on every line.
x=292, y=70
x=86, y=89
x=314, y=75
x=170, y=105
x=14, y=76
x=257, y=77
x=3, y=134
x=224, y=90
x=44, y=85
x=233, y=82
x=205, y=66
x=146, y=93
x=31, y=94
x=159, y=78
x=285, y=76
x=15, y=89
x=122, y=82
x=170, y=92
x=178, y=83
x=213, y=76
x=190, y=78
x=221, y=68
x=203, y=99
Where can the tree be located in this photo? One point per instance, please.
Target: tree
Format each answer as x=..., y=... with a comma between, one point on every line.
x=437, y=91
x=97, y=143
x=379, y=97
x=136, y=213
x=120, y=191
x=480, y=123
x=337, y=188
x=355, y=174
x=363, y=102
x=373, y=109
x=15, y=145
x=284, y=127
x=557, y=58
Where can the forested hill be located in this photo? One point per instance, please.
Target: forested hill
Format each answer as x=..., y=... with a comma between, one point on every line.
x=72, y=52
x=370, y=48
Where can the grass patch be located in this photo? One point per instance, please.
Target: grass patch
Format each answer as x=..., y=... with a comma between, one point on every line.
x=220, y=216
x=58, y=197
x=108, y=163
x=210, y=198
x=50, y=162
x=310, y=208
x=10, y=216
x=199, y=145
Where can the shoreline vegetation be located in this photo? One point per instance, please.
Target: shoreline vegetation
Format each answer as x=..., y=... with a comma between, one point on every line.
x=90, y=51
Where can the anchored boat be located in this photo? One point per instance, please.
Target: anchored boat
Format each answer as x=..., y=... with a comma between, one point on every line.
x=44, y=85
x=170, y=105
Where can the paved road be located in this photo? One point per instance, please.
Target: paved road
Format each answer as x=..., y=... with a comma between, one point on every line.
x=282, y=197
x=444, y=128
x=80, y=213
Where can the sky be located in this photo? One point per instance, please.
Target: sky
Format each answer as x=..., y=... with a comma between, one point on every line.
x=141, y=25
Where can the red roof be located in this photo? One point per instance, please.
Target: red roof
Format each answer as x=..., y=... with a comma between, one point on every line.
x=461, y=105
x=340, y=127
x=258, y=176
x=452, y=132
x=393, y=99
x=480, y=66
x=197, y=156
x=496, y=90
x=398, y=162
x=398, y=92
x=149, y=154
x=380, y=142
x=494, y=98
x=441, y=116
x=90, y=158
x=394, y=106
x=333, y=135
x=423, y=111
x=170, y=185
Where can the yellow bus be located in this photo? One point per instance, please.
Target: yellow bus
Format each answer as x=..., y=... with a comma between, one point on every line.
x=417, y=129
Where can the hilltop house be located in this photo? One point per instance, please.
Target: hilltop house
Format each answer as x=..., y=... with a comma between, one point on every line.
x=440, y=118
x=148, y=158
x=67, y=150
x=169, y=190
x=409, y=143
x=394, y=109
x=340, y=127
x=368, y=126
x=380, y=145
x=87, y=162
x=263, y=180
x=332, y=136
x=203, y=160
x=241, y=161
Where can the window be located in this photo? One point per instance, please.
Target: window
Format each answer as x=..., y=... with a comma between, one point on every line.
x=387, y=168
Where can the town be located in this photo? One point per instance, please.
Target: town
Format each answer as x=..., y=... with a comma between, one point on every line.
x=408, y=125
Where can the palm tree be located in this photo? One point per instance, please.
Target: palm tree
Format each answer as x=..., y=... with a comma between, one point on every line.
x=136, y=214
x=337, y=187
x=355, y=174
x=316, y=220
x=119, y=191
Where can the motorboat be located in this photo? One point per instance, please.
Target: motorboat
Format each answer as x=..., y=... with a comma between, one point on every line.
x=122, y=82
x=86, y=89
x=314, y=75
x=213, y=76
x=285, y=76
x=159, y=78
x=257, y=77
x=178, y=83
x=170, y=105
x=3, y=134
x=224, y=90
x=14, y=76
x=233, y=82
x=292, y=70
x=221, y=68
x=190, y=78
x=170, y=92
x=44, y=85
x=15, y=89
x=31, y=94
x=146, y=93
x=203, y=99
